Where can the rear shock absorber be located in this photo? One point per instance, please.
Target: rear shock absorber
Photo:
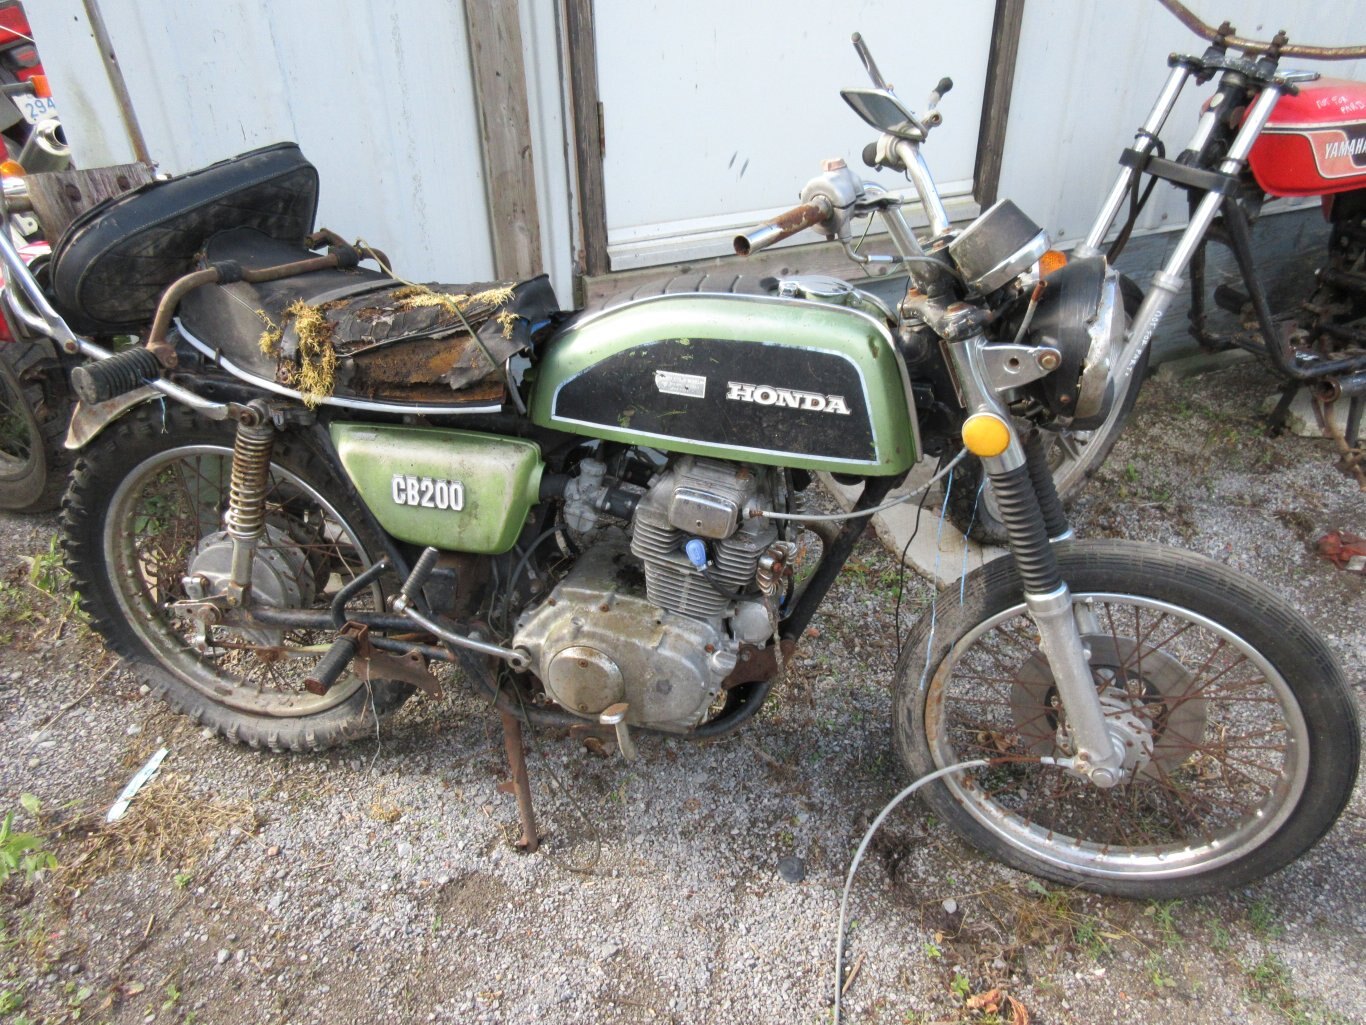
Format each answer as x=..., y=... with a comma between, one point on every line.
x=246, y=515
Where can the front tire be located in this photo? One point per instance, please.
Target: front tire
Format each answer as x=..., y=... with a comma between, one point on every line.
x=1244, y=734
x=146, y=501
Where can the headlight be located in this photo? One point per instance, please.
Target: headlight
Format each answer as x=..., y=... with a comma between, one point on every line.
x=1082, y=316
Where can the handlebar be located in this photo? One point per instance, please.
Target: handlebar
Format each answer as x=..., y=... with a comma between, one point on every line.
x=799, y=218
x=1223, y=36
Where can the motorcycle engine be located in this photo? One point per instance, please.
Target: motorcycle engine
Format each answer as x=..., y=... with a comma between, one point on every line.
x=657, y=619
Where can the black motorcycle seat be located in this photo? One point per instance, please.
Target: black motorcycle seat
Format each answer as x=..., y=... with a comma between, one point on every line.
x=112, y=263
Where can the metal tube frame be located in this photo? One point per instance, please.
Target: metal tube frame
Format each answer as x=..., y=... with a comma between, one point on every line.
x=1168, y=282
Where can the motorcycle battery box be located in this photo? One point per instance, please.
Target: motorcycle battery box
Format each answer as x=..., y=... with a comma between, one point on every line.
x=450, y=489
x=112, y=263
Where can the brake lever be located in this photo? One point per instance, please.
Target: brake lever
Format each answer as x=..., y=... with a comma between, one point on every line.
x=932, y=116
x=869, y=64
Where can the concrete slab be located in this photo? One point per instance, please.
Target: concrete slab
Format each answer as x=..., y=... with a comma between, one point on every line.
x=1202, y=363
x=939, y=552
x=1303, y=419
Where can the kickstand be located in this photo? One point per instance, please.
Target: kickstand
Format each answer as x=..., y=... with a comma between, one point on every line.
x=519, y=785
x=1275, y=423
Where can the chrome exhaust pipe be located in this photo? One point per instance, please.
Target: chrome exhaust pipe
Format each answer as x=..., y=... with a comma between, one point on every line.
x=46, y=148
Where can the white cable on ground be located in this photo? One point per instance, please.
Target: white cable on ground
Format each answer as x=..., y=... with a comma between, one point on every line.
x=858, y=856
x=868, y=838
x=899, y=500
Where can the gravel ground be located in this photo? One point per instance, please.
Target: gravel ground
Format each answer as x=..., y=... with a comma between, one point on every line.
x=378, y=881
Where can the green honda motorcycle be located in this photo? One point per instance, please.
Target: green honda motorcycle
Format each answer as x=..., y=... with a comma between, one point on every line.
x=313, y=480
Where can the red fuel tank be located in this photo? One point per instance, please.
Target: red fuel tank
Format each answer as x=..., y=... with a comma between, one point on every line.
x=1315, y=142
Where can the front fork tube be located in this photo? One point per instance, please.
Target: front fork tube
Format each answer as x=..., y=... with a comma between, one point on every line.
x=1168, y=283
x=1096, y=754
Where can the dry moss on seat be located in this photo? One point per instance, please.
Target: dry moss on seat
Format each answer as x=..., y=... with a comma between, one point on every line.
x=317, y=375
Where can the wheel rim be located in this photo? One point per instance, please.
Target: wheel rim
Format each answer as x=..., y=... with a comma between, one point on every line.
x=156, y=517
x=20, y=448
x=1245, y=749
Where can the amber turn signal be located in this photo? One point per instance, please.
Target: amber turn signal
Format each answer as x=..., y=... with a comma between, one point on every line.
x=1050, y=261
x=11, y=169
x=985, y=435
x=40, y=87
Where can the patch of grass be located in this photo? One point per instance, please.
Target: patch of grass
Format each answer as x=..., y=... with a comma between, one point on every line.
x=165, y=822
x=1265, y=922
x=1269, y=982
x=1158, y=972
x=23, y=853
x=962, y=988
x=1163, y=914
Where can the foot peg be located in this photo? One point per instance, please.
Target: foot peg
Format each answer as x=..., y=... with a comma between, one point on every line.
x=338, y=657
x=109, y=378
x=615, y=715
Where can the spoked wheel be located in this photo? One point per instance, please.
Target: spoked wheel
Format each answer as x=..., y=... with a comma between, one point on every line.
x=1073, y=455
x=1241, y=737
x=35, y=409
x=145, y=513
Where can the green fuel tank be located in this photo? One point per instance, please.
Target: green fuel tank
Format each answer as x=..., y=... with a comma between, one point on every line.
x=776, y=381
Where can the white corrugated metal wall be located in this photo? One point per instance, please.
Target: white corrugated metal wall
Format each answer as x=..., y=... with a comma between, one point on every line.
x=380, y=96
x=1087, y=75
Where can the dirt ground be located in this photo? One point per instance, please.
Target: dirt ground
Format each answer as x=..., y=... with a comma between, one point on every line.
x=378, y=882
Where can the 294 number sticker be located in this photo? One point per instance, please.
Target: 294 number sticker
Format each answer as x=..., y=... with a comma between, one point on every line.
x=428, y=492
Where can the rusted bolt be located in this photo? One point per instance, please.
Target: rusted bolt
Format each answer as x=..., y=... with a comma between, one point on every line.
x=709, y=648
x=1050, y=360
x=604, y=607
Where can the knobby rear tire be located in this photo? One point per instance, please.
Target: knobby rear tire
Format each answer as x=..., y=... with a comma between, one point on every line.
x=127, y=447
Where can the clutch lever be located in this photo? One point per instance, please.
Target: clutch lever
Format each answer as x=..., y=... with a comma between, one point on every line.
x=932, y=116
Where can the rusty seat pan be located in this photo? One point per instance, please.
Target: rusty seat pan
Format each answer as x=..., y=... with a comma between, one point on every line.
x=393, y=341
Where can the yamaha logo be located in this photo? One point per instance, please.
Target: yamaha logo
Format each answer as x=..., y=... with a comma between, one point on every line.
x=768, y=395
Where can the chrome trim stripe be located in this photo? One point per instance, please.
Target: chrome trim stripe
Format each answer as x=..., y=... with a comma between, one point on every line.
x=365, y=405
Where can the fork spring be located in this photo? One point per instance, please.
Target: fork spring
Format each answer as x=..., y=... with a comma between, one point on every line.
x=251, y=450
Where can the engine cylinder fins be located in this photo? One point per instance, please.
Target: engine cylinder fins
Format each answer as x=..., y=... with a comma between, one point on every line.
x=584, y=679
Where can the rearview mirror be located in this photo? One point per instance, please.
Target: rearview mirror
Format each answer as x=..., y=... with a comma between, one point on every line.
x=884, y=112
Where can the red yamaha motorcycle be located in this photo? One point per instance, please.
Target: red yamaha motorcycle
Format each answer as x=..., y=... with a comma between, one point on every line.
x=1266, y=132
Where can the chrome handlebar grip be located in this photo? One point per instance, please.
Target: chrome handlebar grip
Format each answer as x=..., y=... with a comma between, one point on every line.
x=799, y=218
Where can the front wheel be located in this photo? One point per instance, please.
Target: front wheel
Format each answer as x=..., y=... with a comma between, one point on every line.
x=1241, y=734
x=35, y=409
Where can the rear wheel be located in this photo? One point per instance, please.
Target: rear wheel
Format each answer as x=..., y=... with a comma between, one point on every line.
x=1241, y=734
x=35, y=410
x=145, y=510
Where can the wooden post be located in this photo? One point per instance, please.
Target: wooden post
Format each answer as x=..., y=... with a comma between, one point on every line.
x=495, y=40
x=589, y=143
x=991, y=136
x=59, y=197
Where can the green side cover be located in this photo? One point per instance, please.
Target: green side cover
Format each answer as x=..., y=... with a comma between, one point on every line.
x=455, y=490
